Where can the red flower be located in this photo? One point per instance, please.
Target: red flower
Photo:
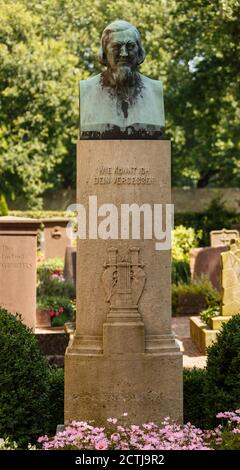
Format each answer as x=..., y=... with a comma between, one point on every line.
x=60, y=310
x=51, y=313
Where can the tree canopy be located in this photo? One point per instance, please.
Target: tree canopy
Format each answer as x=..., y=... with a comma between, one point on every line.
x=46, y=47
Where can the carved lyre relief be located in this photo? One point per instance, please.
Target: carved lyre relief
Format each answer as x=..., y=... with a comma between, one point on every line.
x=123, y=278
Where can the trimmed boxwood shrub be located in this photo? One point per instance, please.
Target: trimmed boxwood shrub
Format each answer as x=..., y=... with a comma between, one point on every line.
x=180, y=272
x=215, y=217
x=222, y=387
x=3, y=205
x=24, y=382
x=194, y=397
x=56, y=398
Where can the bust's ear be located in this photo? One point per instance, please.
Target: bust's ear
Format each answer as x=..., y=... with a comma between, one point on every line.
x=102, y=57
x=141, y=55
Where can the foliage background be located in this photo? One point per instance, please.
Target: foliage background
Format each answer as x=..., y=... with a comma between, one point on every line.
x=46, y=47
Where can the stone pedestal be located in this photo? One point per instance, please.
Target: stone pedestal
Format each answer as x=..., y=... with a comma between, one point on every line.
x=123, y=357
x=18, y=258
x=55, y=237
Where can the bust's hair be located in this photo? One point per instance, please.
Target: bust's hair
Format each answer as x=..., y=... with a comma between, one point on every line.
x=115, y=26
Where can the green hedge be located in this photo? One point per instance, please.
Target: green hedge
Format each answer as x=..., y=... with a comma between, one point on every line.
x=215, y=217
x=201, y=287
x=216, y=388
x=55, y=399
x=3, y=205
x=222, y=388
x=42, y=214
x=24, y=382
x=194, y=397
x=180, y=272
x=31, y=393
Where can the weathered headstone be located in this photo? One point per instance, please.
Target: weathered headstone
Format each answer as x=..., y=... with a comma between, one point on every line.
x=18, y=258
x=231, y=280
x=207, y=262
x=123, y=357
x=223, y=237
x=55, y=239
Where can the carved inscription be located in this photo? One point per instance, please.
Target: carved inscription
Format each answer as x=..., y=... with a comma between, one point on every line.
x=123, y=175
x=9, y=258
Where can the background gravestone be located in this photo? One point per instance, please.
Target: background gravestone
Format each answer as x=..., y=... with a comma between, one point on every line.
x=55, y=239
x=231, y=280
x=207, y=262
x=18, y=258
x=223, y=237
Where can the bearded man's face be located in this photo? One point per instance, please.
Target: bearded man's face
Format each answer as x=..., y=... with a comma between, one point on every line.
x=122, y=56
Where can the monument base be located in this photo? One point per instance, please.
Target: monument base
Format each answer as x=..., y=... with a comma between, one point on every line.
x=146, y=386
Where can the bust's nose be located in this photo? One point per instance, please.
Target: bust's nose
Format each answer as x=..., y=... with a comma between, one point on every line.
x=123, y=51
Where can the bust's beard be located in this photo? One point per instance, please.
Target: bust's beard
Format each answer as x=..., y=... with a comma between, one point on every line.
x=122, y=80
x=124, y=76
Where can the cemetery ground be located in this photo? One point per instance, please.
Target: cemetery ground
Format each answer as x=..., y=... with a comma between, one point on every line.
x=31, y=393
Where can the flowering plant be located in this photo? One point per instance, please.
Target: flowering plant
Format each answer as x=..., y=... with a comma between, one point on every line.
x=60, y=309
x=150, y=436
x=56, y=313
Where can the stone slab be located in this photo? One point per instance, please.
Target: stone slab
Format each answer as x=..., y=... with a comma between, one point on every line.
x=217, y=322
x=202, y=336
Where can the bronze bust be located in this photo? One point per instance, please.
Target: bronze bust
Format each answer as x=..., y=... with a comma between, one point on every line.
x=120, y=102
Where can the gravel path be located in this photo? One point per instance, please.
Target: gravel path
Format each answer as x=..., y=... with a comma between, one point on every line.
x=191, y=355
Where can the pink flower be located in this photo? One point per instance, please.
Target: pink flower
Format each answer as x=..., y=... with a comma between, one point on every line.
x=51, y=313
x=101, y=445
x=115, y=437
x=61, y=310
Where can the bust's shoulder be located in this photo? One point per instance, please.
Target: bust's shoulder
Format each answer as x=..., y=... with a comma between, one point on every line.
x=91, y=81
x=150, y=83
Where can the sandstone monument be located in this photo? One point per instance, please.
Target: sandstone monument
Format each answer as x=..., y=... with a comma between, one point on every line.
x=123, y=356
